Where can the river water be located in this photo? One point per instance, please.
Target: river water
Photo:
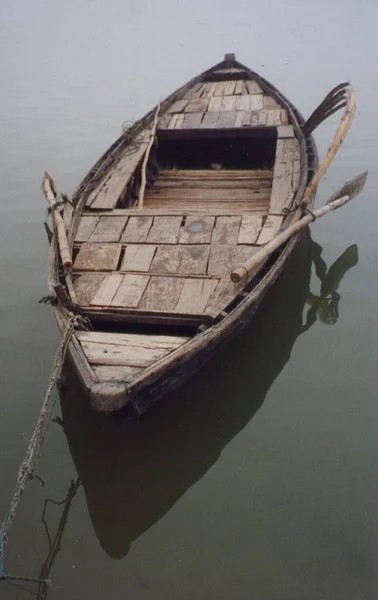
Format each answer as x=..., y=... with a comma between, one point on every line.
x=258, y=479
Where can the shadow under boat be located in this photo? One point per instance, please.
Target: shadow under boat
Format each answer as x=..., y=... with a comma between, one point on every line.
x=134, y=472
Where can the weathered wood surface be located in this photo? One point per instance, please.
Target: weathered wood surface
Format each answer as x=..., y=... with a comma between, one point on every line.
x=270, y=229
x=107, y=194
x=159, y=288
x=120, y=355
x=195, y=294
x=226, y=230
x=86, y=227
x=130, y=290
x=110, y=373
x=86, y=285
x=285, y=183
x=138, y=257
x=143, y=180
x=98, y=257
x=249, y=229
x=107, y=290
x=223, y=258
x=164, y=230
x=197, y=230
x=137, y=229
x=185, y=260
x=108, y=229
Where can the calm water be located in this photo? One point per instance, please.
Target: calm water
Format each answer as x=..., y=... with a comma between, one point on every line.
x=259, y=478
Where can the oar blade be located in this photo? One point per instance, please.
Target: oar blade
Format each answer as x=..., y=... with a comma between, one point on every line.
x=48, y=185
x=351, y=188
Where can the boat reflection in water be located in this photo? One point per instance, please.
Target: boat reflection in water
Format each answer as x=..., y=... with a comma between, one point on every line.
x=134, y=472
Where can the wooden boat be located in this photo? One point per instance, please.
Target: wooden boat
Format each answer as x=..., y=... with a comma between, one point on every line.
x=162, y=231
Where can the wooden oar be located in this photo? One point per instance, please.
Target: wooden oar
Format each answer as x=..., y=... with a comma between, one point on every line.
x=49, y=191
x=349, y=190
x=341, y=132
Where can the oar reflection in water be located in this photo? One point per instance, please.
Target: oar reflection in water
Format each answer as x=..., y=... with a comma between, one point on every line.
x=326, y=304
x=133, y=473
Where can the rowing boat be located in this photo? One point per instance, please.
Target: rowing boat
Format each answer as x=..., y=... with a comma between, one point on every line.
x=168, y=245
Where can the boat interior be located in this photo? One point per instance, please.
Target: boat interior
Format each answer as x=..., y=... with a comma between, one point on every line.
x=221, y=176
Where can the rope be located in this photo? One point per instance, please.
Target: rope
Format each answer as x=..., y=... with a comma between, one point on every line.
x=31, y=461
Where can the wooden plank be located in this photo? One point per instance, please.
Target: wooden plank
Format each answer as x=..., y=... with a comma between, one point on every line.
x=229, y=88
x=162, y=293
x=270, y=102
x=227, y=119
x=199, y=91
x=222, y=296
x=112, y=354
x=180, y=121
x=108, y=229
x=195, y=295
x=191, y=91
x=111, y=373
x=197, y=105
x=209, y=90
x=209, y=194
x=270, y=229
x=107, y=194
x=250, y=173
x=220, y=209
x=193, y=259
x=107, y=290
x=197, y=230
x=256, y=102
x=184, y=260
x=284, y=117
x=98, y=257
x=192, y=120
x=164, y=121
x=166, y=260
x=137, y=230
x=209, y=120
x=270, y=118
x=86, y=285
x=164, y=342
x=296, y=174
x=263, y=116
x=240, y=88
x=215, y=104
x=178, y=106
x=228, y=103
x=226, y=230
x=243, y=102
x=164, y=230
x=255, y=118
x=246, y=117
x=130, y=291
x=138, y=257
x=220, y=88
x=285, y=131
x=240, y=118
x=86, y=228
x=206, y=183
x=249, y=229
x=173, y=121
x=253, y=87
x=224, y=258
